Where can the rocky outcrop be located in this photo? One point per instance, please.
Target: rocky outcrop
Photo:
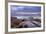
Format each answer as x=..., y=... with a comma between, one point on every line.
x=15, y=22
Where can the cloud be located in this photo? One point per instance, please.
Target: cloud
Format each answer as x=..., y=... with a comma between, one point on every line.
x=27, y=13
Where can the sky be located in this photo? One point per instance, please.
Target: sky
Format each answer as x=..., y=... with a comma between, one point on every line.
x=25, y=10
